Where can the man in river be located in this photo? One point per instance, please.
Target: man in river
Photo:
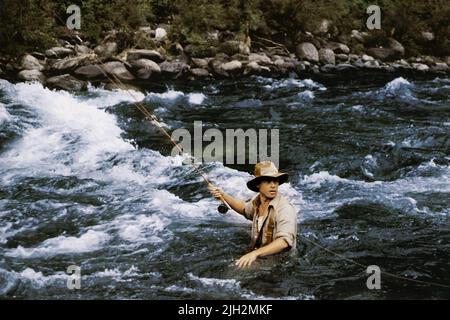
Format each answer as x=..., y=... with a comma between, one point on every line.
x=274, y=219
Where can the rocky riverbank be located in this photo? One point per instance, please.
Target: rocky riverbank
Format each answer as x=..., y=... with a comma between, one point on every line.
x=75, y=62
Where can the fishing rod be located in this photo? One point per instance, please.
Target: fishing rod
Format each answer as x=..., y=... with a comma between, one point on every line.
x=224, y=206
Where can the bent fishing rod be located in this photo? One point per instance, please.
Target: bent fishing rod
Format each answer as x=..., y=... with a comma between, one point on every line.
x=224, y=206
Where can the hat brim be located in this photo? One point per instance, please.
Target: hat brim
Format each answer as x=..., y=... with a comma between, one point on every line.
x=252, y=184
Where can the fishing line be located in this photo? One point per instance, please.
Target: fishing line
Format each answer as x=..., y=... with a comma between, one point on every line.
x=224, y=207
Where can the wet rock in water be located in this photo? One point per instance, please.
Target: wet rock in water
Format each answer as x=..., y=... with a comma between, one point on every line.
x=58, y=52
x=119, y=70
x=31, y=75
x=307, y=51
x=146, y=68
x=342, y=57
x=136, y=54
x=66, y=82
x=31, y=63
x=366, y=58
x=174, y=69
x=90, y=71
x=328, y=68
x=344, y=67
x=327, y=56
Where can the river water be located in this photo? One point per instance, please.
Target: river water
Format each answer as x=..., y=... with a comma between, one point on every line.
x=85, y=181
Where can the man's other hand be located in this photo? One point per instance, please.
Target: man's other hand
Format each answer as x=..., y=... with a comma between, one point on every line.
x=247, y=260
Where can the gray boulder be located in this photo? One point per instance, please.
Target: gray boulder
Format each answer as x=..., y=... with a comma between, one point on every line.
x=136, y=54
x=81, y=49
x=31, y=63
x=307, y=51
x=384, y=54
x=174, y=69
x=367, y=58
x=254, y=68
x=338, y=47
x=119, y=70
x=31, y=75
x=58, y=52
x=66, y=82
x=327, y=56
x=440, y=67
x=261, y=59
x=72, y=63
x=146, y=68
x=342, y=57
x=90, y=71
x=396, y=46
x=234, y=66
x=199, y=72
x=420, y=67
x=200, y=63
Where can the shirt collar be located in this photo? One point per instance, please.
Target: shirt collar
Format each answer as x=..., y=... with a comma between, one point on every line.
x=257, y=200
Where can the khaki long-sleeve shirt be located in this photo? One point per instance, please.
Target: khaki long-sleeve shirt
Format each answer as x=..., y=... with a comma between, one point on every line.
x=280, y=221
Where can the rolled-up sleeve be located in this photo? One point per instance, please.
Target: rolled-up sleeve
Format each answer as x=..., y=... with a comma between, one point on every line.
x=249, y=210
x=286, y=225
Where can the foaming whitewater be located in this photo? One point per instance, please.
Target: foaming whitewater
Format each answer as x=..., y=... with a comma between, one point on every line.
x=90, y=241
x=85, y=181
x=172, y=97
x=4, y=115
x=398, y=88
x=272, y=84
x=73, y=136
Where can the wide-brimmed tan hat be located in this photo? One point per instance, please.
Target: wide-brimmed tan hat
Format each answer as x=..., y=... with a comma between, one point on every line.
x=263, y=170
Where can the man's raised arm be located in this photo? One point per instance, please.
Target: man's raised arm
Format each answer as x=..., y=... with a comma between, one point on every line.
x=236, y=204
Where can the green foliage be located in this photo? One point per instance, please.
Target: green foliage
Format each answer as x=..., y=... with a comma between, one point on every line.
x=25, y=25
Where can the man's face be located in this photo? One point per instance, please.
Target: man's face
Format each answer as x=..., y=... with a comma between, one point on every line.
x=269, y=188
